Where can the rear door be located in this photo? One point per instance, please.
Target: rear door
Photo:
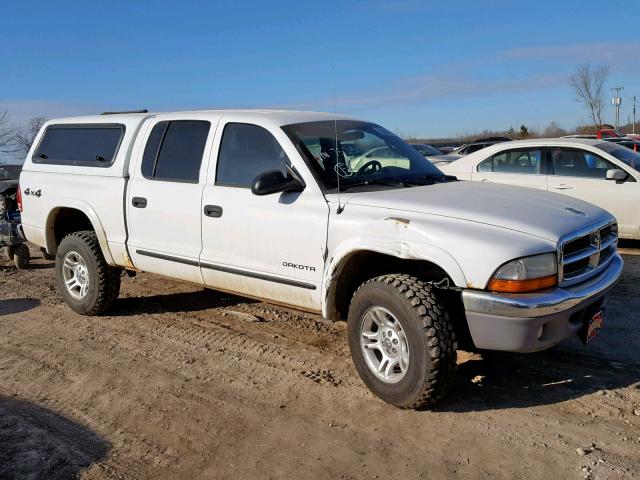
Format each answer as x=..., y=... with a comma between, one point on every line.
x=168, y=173
x=522, y=166
x=582, y=174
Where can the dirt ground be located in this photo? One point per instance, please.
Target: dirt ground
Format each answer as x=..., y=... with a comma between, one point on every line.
x=177, y=383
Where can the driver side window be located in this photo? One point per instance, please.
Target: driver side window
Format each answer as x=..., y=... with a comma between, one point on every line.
x=579, y=163
x=246, y=151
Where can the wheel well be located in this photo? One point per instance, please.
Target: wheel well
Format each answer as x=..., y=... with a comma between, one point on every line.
x=363, y=266
x=66, y=221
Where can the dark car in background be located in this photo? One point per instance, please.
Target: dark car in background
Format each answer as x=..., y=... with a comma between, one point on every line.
x=11, y=242
x=426, y=150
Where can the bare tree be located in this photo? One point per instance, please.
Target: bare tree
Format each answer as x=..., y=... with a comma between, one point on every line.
x=7, y=133
x=25, y=136
x=554, y=130
x=588, y=85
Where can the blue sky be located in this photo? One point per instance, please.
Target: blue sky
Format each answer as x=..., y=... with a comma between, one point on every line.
x=418, y=67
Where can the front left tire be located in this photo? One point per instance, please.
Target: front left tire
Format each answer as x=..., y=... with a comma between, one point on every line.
x=402, y=340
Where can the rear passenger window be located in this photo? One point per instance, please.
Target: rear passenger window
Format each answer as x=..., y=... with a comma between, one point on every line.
x=246, y=151
x=513, y=161
x=174, y=151
x=92, y=145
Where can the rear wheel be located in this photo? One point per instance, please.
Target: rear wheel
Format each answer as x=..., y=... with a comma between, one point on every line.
x=85, y=280
x=402, y=341
x=21, y=256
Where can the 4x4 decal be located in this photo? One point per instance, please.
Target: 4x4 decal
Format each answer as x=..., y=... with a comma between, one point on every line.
x=32, y=193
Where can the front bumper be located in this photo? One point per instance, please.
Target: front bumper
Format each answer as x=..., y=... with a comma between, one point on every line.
x=511, y=322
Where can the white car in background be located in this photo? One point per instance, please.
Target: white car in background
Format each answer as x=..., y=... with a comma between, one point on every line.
x=600, y=172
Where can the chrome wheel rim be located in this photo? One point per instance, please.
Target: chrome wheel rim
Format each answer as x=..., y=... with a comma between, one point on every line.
x=75, y=275
x=384, y=345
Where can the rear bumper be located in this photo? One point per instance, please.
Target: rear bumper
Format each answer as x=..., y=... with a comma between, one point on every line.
x=512, y=322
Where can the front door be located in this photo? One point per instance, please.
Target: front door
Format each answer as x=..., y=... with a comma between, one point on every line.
x=270, y=246
x=165, y=193
x=582, y=174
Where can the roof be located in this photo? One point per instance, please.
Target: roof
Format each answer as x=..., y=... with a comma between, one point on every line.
x=463, y=163
x=280, y=117
x=547, y=142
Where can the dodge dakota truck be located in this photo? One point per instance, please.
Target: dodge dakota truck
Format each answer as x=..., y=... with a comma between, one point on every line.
x=292, y=208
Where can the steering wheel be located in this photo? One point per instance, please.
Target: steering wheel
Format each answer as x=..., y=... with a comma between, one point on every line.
x=373, y=165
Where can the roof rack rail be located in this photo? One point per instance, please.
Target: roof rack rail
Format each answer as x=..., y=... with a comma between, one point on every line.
x=125, y=111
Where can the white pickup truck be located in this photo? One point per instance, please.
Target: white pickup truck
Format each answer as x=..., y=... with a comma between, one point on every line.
x=288, y=207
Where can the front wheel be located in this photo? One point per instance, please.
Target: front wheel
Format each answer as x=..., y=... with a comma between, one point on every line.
x=402, y=341
x=85, y=280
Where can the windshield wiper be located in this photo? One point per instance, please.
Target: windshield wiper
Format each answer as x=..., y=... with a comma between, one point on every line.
x=440, y=177
x=378, y=181
x=427, y=179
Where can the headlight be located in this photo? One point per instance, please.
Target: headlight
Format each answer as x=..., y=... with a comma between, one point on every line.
x=526, y=274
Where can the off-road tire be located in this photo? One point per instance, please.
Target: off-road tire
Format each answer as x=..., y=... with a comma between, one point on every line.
x=21, y=256
x=104, y=280
x=429, y=332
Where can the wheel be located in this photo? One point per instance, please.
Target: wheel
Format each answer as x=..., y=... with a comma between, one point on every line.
x=21, y=256
x=88, y=285
x=402, y=341
x=8, y=252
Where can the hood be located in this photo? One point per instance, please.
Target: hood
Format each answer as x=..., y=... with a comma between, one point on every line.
x=543, y=214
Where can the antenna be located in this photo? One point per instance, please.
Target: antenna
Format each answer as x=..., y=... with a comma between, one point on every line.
x=335, y=131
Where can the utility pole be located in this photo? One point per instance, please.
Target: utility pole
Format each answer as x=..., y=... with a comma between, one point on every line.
x=633, y=125
x=617, y=101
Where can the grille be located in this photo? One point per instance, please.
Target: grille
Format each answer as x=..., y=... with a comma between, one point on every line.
x=585, y=255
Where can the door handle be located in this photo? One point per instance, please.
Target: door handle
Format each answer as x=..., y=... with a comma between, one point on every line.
x=139, y=202
x=562, y=186
x=214, y=211
x=484, y=180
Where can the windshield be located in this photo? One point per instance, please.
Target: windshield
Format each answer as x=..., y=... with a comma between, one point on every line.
x=427, y=150
x=361, y=154
x=622, y=153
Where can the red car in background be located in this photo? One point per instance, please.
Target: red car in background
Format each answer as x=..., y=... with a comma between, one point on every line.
x=605, y=133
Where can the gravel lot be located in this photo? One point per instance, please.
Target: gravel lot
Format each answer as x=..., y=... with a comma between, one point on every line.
x=177, y=383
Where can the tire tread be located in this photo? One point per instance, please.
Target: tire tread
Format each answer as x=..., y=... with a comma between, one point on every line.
x=438, y=331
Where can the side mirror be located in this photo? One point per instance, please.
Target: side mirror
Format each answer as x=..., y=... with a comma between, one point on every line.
x=617, y=175
x=273, y=182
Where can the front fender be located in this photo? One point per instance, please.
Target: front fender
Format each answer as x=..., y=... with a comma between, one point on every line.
x=84, y=207
x=386, y=246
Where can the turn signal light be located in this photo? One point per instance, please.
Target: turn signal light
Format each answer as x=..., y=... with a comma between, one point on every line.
x=522, y=286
